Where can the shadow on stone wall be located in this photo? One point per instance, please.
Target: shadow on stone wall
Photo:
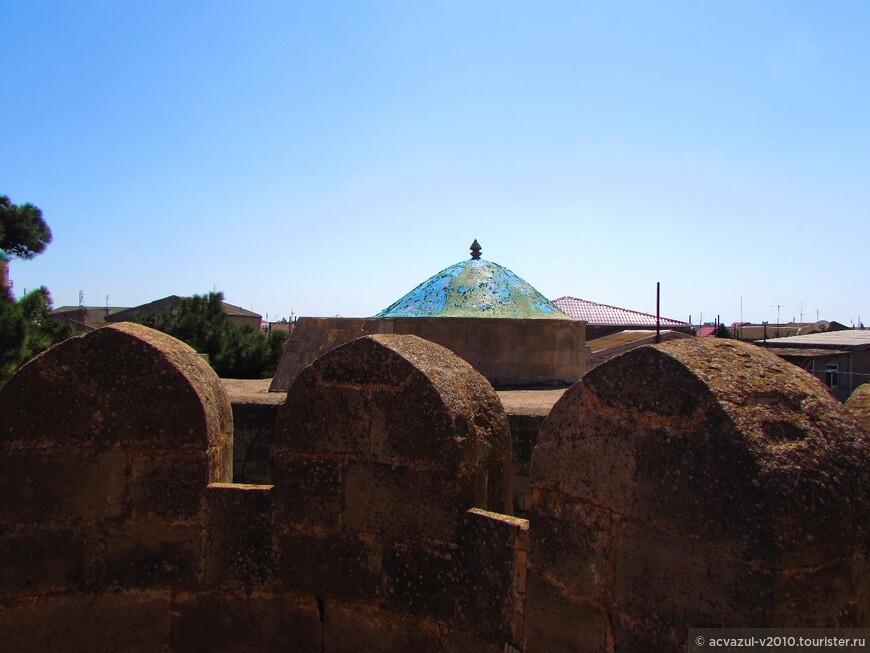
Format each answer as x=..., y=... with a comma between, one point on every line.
x=120, y=530
x=697, y=483
x=701, y=483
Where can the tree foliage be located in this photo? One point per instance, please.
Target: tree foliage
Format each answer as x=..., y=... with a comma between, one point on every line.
x=26, y=330
x=23, y=232
x=234, y=351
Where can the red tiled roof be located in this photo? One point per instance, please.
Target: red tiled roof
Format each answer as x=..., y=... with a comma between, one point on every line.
x=581, y=309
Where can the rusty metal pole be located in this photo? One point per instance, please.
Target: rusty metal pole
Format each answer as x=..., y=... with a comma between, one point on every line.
x=658, y=316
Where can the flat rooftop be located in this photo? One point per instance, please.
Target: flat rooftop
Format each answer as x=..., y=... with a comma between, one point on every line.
x=515, y=402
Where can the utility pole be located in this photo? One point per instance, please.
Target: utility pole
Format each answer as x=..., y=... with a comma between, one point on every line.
x=778, y=307
x=658, y=314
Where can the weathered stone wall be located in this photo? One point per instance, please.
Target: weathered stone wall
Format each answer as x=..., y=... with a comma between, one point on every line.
x=698, y=483
x=381, y=448
x=119, y=529
x=107, y=444
x=254, y=426
x=507, y=352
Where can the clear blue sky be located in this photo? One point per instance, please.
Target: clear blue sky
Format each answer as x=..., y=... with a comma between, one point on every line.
x=328, y=156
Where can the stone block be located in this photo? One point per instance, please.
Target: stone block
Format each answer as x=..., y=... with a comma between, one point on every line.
x=571, y=542
x=224, y=622
x=559, y=624
x=336, y=421
x=506, y=356
x=630, y=633
x=153, y=553
x=403, y=502
x=830, y=595
x=238, y=535
x=665, y=579
x=129, y=621
x=395, y=431
x=354, y=627
x=566, y=359
x=308, y=489
x=427, y=580
x=168, y=484
x=493, y=551
x=330, y=564
x=62, y=485
x=40, y=558
x=540, y=372
x=598, y=468
x=548, y=357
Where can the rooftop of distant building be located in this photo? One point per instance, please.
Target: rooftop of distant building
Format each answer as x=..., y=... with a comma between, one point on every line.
x=603, y=314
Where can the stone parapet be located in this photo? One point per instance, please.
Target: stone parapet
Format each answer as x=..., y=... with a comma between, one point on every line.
x=508, y=352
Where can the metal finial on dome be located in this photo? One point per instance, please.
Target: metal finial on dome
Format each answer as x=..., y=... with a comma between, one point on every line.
x=476, y=249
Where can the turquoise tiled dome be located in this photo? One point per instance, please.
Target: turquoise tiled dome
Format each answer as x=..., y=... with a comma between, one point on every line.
x=475, y=288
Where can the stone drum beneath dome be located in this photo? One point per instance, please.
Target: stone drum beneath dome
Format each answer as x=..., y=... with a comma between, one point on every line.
x=480, y=310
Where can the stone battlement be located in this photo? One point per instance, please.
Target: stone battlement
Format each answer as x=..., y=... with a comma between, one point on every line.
x=696, y=483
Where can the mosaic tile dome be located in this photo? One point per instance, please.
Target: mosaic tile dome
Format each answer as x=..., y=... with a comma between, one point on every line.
x=475, y=288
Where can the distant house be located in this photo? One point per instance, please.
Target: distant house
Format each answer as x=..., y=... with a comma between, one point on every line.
x=840, y=359
x=610, y=346
x=85, y=318
x=749, y=332
x=602, y=319
x=236, y=314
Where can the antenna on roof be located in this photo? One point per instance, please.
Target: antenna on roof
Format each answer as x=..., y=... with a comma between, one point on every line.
x=778, y=307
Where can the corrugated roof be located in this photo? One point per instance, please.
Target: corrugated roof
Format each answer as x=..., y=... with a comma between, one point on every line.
x=610, y=346
x=748, y=331
x=603, y=314
x=620, y=338
x=851, y=338
x=800, y=352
